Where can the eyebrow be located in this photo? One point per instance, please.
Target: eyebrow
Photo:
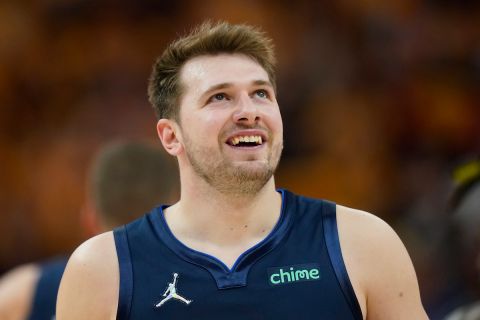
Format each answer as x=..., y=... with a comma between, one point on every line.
x=262, y=83
x=226, y=85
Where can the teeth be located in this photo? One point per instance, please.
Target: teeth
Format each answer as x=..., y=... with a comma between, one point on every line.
x=237, y=140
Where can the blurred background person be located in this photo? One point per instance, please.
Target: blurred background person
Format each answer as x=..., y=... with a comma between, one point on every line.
x=126, y=180
x=465, y=210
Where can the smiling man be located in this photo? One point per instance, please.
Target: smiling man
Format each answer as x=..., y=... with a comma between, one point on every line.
x=234, y=247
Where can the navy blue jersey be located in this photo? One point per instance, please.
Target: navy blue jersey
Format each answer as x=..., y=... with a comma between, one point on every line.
x=45, y=296
x=296, y=272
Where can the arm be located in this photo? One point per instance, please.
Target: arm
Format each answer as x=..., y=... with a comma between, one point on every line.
x=379, y=267
x=90, y=284
x=166, y=291
x=16, y=292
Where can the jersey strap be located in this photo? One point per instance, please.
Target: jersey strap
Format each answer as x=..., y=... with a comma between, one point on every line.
x=126, y=273
x=335, y=252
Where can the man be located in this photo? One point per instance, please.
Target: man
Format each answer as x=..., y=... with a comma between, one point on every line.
x=126, y=180
x=234, y=246
x=465, y=209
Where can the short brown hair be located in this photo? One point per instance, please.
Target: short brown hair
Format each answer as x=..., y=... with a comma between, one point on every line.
x=164, y=88
x=128, y=179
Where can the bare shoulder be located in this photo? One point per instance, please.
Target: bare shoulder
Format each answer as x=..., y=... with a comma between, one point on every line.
x=16, y=291
x=379, y=267
x=89, y=287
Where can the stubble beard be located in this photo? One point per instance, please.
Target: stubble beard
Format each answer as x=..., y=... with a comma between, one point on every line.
x=228, y=178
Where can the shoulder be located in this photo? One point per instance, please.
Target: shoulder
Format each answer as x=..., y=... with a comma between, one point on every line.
x=16, y=291
x=379, y=266
x=93, y=248
x=360, y=225
x=368, y=243
x=371, y=242
x=89, y=287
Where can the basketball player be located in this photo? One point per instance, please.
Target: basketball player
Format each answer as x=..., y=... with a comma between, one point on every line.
x=126, y=180
x=234, y=246
x=465, y=209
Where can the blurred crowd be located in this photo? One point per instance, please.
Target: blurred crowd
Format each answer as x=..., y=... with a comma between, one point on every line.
x=380, y=101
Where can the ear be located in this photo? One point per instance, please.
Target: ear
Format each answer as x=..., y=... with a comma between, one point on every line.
x=169, y=133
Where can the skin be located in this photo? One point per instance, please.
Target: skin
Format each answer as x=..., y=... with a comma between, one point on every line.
x=243, y=103
x=16, y=291
x=18, y=285
x=379, y=267
x=225, y=96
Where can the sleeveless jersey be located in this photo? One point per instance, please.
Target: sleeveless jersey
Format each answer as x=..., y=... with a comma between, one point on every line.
x=45, y=296
x=296, y=272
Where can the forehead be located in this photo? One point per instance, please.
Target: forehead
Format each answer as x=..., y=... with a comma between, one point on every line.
x=203, y=72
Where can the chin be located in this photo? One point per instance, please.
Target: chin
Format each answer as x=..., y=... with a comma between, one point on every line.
x=252, y=172
x=252, y=168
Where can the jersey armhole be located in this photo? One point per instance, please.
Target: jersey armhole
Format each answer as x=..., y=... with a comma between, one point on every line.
x=332, y=241
x=126, y=273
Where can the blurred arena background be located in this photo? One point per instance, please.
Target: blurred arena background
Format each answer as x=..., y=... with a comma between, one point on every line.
x=380, y=101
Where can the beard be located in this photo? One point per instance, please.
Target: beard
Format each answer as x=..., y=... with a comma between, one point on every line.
x=246, y=178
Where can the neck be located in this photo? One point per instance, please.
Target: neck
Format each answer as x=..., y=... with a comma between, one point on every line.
x=206, y=215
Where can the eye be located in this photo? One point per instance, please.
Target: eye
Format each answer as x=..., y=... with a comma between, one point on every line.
x=262, y=94
x=218, y=97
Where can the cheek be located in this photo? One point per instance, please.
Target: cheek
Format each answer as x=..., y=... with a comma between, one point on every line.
x=280, y=123
x=213, y=120
x=204, y=128
x=276, y=123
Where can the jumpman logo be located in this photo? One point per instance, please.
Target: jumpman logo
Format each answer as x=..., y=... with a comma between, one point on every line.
x=171, y=293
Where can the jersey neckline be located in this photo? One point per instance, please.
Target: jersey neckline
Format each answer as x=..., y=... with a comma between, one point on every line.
x=237, y=275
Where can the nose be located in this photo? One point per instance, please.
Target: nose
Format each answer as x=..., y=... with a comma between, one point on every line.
x=246, y=111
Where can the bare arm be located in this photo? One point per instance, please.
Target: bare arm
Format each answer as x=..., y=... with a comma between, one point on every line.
x=16, y=292
x=379, y=266
x=89, y=287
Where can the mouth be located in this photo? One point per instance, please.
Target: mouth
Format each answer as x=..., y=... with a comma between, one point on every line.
x=246, y=141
